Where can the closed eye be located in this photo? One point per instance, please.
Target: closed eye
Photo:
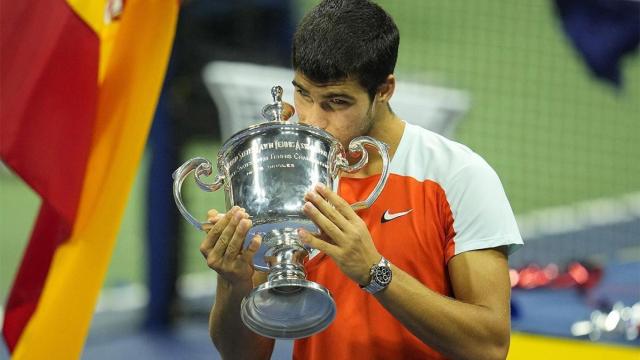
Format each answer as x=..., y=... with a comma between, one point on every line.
x=303, y=93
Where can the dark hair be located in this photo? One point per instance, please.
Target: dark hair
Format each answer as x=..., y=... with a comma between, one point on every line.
x=340, y=39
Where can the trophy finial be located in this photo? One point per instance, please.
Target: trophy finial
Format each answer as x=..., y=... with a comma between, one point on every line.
x=273, y=112
x=276, y=93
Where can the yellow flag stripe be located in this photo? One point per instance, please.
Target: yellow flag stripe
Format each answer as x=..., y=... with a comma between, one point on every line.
x=94, y=14
x=535, y=347
x=90, y=11
x=127, y=100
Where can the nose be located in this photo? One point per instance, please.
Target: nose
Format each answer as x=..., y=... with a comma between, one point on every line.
x=313, y=115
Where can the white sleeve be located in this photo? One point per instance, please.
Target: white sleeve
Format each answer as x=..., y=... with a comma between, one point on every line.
x=482, y=216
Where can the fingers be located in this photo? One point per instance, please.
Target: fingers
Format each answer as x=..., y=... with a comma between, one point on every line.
x=340, y=204
x=235, y=245
x=330, y=212
x=325, y=208
x=251, y=250
x=227, y=234
x=319, y=218
x=213, y=233
x=309, y=239
x=212, y=218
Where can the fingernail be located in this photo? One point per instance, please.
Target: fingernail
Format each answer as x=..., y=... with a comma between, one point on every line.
x=302, y=233
x=255, y=242
x=320, y=186
x=308, y=206
x=238, y=216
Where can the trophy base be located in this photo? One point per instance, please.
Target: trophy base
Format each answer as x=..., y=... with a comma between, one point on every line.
x=288, y=309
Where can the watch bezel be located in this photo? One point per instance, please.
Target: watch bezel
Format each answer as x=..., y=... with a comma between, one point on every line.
x=378, y=282
x=382, y=275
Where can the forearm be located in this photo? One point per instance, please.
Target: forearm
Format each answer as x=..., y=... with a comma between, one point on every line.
x=458, y=330
x=230, y=336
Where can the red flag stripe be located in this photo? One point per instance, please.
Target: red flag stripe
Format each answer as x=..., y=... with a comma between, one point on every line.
x=48, y=94
x=49, y=231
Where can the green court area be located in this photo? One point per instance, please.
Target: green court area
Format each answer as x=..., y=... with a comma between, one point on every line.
x=554, y=134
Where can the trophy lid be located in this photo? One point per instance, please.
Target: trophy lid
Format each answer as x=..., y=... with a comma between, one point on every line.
x=276, y=119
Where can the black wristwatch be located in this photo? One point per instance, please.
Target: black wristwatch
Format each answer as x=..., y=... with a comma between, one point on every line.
x=380, y=277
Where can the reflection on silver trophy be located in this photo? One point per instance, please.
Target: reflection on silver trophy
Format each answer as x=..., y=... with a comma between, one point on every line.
x=267, y=169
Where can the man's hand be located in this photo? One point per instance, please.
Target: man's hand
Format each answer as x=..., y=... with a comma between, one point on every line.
x=222, y=247
x=344, y=236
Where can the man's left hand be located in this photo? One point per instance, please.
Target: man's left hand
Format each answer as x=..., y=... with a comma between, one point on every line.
x=344, y=235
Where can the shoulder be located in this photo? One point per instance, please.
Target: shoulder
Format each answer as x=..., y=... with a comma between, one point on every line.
x=473, y=200
x=426, y=155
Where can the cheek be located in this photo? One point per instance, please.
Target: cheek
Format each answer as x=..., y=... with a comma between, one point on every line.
x=354, y=121
x=348, y=125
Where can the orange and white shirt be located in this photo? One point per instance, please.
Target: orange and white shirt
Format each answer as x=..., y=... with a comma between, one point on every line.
x=441, y=199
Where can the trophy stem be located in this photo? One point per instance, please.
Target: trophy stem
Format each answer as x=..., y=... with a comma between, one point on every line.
x=285, y=263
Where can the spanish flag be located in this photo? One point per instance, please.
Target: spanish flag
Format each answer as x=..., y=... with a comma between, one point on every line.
x=79, y=83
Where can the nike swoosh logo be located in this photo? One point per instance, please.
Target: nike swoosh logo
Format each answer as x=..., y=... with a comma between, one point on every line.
x=387, y=216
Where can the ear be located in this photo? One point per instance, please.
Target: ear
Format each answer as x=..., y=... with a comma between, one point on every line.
x=385, y=91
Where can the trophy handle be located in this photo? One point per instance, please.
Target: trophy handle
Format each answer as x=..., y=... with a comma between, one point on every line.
x=201, y=166
x=357, y=145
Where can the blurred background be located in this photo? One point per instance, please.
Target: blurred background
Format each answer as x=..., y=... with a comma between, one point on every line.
x=542, y=90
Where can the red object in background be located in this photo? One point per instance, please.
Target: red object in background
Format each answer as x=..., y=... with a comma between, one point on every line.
x=577, y=274
x=533, y=276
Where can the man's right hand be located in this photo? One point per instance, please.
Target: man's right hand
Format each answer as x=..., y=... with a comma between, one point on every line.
x=222, y=247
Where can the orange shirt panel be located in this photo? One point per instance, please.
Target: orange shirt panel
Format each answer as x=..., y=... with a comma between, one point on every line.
x=418, y=242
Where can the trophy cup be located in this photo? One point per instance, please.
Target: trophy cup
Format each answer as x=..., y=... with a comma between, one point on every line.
x=267, y=169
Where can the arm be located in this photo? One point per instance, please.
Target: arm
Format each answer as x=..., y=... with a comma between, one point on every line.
x=222, y=248
x=475, y=325
x=230, y=336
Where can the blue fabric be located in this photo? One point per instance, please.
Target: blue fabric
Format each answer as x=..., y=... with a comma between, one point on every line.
x=162, y=218
x=603, y=31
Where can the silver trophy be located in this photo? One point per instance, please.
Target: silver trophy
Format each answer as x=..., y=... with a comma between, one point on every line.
x=267, y=169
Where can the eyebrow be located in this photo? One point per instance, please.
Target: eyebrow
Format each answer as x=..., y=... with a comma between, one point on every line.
x=294, y=83
x=327, y=95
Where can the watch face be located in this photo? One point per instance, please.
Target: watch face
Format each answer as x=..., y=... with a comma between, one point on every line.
x=383, y=275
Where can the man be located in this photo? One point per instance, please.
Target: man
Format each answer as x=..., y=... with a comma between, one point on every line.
x=423, y=273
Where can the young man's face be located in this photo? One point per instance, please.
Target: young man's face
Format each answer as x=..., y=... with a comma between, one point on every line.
x=343, y=109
